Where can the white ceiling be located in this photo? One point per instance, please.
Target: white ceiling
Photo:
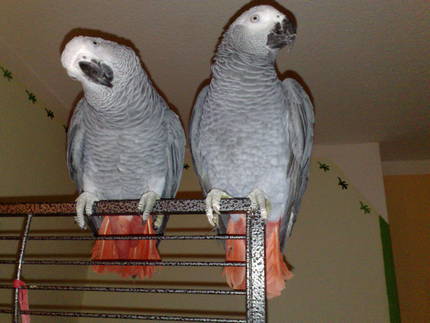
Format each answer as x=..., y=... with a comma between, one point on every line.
x=365, y=62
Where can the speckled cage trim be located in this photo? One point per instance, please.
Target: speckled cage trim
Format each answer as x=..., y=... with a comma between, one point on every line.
x=122, y=207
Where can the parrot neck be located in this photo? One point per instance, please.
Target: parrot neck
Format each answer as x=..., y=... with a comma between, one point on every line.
x=136, y=102
x=235, y=64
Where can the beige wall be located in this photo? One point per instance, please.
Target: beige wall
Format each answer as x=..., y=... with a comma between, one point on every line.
x=32, y=146
x=406, y=167
x=362, y=164
x=32, y=164
x=26, y=76
x=409, y=209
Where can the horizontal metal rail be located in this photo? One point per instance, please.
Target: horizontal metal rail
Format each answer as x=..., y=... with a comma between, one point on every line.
x=122, y=207
x=131, y=316
x=128, y=263
x=130, y=237
x=129, y=290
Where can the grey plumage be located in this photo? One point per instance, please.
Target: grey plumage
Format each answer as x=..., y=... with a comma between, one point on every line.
x=249, y=130
x=123, y=140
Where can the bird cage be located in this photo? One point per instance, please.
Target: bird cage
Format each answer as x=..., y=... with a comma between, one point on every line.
x=255, y=257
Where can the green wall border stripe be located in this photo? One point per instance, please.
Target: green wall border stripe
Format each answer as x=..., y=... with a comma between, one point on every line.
x=390, y=274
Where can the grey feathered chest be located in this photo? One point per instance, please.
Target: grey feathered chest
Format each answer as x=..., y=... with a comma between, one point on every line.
x=120, y=162
x=242, y=129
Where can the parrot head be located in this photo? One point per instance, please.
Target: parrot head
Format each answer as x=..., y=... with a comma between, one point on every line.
x=261, y=30
x=96, y=62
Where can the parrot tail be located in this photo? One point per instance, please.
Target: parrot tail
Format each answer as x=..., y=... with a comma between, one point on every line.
x=277, y=271
x=126, y=249
x=235, y=251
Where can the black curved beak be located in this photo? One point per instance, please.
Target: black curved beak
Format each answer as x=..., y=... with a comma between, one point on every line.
x=97, y=72
x=282, y=34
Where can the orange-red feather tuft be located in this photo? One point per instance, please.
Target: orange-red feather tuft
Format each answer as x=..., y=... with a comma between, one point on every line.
x=235, y=251
x=277, y=271
x=126, y=249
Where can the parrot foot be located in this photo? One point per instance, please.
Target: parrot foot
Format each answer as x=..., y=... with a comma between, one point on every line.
x=213, y=200
x=84, y=205
x=146, y=204
x=158, y=221
x=259, y=201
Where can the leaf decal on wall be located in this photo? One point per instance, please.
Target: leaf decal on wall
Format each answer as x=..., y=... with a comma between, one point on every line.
x=364, y=207
x=342, y=183
x=31, y=96
x=325, y=167
x=49, y=113
x=6, y=73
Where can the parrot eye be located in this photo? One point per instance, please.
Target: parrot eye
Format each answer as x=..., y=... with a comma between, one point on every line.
x=254, y=18
x=95, y=43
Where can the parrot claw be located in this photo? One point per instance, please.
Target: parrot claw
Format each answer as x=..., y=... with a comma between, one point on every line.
x=146, y=204
x=80, y=221
x=158, y=221
x=259, y=201
x=213, y=200
x=84, y=205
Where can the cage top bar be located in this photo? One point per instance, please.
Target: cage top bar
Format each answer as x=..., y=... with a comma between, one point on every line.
x=128, y=289
x=122, y=207
x=128, y=263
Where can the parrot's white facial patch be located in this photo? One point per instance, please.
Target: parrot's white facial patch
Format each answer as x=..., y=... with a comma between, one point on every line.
x=259, y=18
x=78, y=49
x=87, y=58
x=261, y=30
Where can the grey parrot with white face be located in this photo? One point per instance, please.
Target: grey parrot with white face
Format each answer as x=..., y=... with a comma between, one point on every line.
x=251, y=135
x=123, y=140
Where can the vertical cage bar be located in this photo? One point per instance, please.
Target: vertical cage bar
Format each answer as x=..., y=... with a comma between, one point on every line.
x=255, y=269
x=16, y=310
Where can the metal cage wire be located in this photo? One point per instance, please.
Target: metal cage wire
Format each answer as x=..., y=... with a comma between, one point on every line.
x=255, y=256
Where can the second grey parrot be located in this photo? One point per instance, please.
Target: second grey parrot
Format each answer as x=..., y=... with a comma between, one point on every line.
x=123, y=142
x=251, y=135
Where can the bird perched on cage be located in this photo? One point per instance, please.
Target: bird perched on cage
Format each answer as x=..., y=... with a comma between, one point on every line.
x=123, y=142
x=251, y=135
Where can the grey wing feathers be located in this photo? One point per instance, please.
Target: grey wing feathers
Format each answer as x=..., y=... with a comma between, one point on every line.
x=175, y=153
x=198, y=157
x=175, y=160
x=194, y=137
x=299, y=123
x=75, y=143
x=75, y=154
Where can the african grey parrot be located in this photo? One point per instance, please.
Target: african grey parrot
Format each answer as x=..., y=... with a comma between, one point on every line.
x=251, y=135
x=123, y=142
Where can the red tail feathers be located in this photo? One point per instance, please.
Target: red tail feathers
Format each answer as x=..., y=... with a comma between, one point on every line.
x=235, y=251
x=277, y=271
x=126, y=249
